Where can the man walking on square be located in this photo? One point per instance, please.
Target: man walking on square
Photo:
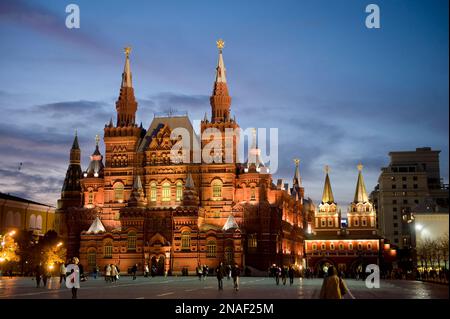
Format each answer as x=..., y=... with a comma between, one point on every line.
x=219, y=274
x=236, y=273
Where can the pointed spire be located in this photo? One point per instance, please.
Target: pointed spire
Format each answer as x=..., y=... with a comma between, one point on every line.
x=137, y=184
x=126, y=75
x=189, y=182
x=230, y=223
x=360, y=192
x=126, y=105
x=220, y=100
x=220, y=70
x=327, y=196
x=75, y=145
x=96, y=227
x=297, y=180
x=95, y=168
x=190, y=195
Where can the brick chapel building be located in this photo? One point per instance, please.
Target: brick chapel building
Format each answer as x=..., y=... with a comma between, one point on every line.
x=136, y=205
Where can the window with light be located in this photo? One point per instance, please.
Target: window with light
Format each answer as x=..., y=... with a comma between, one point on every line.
x=118, y=192
x=185, y=240
x=217, y=189
x=153, y=192
x=166, y=192
x=211, y=248
x=179, y=191
x=107, y=249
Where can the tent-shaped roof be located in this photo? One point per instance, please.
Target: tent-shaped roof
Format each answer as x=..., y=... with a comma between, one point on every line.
x=96, y=227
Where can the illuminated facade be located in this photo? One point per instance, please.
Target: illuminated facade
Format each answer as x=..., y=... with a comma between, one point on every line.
x=142, y=207
x=351, y=247
x=18, y=213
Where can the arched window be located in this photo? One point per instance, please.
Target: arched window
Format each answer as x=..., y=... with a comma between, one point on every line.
x=153, y=192
x=217, y=189
x=131, y=240
x=253, y=193
x=369, y=246
x=179, y=191
x=9, y=219
x=330, y=222
x=92, y=258
x=350, y=246
x=341, y=246
x=314, y=246
x=211, y=248
x=166, y=192
x=323, y=222
x=186, y=240
x=32, y=223
x=107, y=249
x=39, y=222
x=364, y=222
x=118, y=192
x=17, y=219
x=90, y=197
x=360, y=246
x=324, y=246
x=356, y=222
x=332, y=246
x=229, y=255
x=252, y=241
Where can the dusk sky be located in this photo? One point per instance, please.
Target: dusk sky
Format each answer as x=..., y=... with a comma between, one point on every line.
x=338, y=93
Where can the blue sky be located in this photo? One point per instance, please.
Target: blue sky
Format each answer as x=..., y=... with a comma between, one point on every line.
x=339, y=93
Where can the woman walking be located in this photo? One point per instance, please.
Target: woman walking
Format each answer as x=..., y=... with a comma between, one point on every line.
x=333, y=287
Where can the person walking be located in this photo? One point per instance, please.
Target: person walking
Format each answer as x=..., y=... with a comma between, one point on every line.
x=277, y=275
x=228, y=272
x=62, y=273
x=114, y=273
x=73, y=277
x=134, y=270
x=38, y=275
x=236, y=273
x=333, y=287
x=199, y=272
x=146, y=270
x=284, y=275
x=219, y=275
x=46, y=275
x=205, y=271
x=291, y=275
x=108, y=270
x=95, y=272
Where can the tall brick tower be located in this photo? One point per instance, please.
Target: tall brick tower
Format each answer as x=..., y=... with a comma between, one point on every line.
x=219, y=173
x=121, y=143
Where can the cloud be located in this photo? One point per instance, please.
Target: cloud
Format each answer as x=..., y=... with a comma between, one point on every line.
x=82, y=109
x=39, y=19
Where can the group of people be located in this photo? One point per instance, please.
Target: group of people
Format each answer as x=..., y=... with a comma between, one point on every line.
x=112, y=273
x=282, y=272
x=229, y=272
x=202, y=272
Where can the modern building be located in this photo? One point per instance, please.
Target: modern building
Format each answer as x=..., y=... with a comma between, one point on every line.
x=142, y=204
x=18, y=213
x=349, y=246
x=410, y=185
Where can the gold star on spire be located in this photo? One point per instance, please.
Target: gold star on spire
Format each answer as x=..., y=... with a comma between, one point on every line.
x=97, y=139
x=327, y=169
x=360, y=167
x=296, y=161
x=127, y=51
x=220, y=44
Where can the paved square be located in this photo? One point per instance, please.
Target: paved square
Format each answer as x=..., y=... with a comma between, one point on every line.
x=193, y=288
